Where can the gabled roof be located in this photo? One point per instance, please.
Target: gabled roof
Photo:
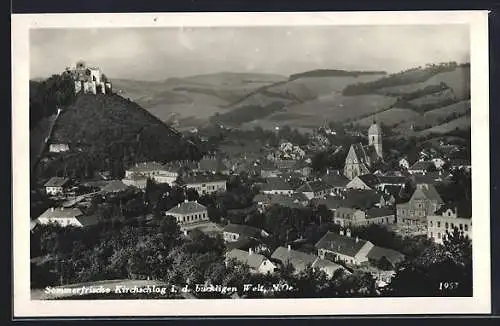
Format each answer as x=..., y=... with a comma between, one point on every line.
x=362, y=199
x=251, y=259
x=369, y=179
x=187, y=208
x=88, y=220
x=392, y=256
x=56, y=182
x=326, y=264
x=276, y=184
x=462, y=209
x=313, y=186
x=459, y=162
x=340, y=244
x=392, y=179
x=298, y=259
x=242, y=230
x=61, y=212
x=335, y=180
x=379, y=212
x=359, y=151
x=426, y=191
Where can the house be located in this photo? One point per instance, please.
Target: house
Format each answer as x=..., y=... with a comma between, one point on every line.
x=365, y=181
x=424, y=201
x=263, y=201
x=421, y=167
x=338, y=247
x=301, y=260
x=66, y=217
x=446, y=218
x=158, y=172
x=348, y=216
x=360, y=158
x=235, y=232
x=335, y=180
x=269, y=170
x=257, y=262
x=315, y=189
x=136, y=180
x=58, y=148
x=390, y=257
x=277, y=186
x=189, y=212
x=206, y=184
x=56, y=185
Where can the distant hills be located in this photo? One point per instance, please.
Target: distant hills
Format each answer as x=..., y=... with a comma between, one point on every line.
x=409, y=101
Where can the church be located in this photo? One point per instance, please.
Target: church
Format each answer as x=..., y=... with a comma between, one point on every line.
x=361, y=157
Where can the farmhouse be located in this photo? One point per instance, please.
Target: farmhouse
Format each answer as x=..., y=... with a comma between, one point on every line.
x=56, y=185
x=66, y=217
x=315, y=189
x=257, y=262
x=153, y=170
x=301, y=260
x=277, y=186
x=236, y=232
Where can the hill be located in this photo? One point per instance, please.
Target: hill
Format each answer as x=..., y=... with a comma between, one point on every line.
x=193, y=98
x=108, y=132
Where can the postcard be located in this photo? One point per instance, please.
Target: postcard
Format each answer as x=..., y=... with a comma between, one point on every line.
x=250, y=164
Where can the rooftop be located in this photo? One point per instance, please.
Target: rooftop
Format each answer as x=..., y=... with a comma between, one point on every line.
x=187, y=207
x=147, y=167
x=298, y=259
x=341, y=244
x=61, y=212
x=242, y=230
x=251, y=259
x=392, y=256
x=276, y=184
x=114, y=186
x=421, y=165
x=204, y=178
x=313, y=186
x=56, y=182
x=462, y=209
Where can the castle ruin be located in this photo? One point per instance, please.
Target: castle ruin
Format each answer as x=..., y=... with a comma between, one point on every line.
x=89, y=80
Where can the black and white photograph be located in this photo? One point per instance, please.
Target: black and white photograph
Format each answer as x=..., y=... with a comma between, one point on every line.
x=173, y=157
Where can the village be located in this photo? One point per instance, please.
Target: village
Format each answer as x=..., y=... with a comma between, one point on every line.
x=402, y=199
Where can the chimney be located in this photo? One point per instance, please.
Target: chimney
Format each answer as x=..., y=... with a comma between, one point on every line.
x=52, y=209
x=178, y=205
x=341, y=232
x=348, y=232
x=289, y=247
x=250, y=251
x=357, y=239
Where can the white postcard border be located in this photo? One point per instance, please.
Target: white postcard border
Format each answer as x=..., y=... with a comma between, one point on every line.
x=479, y=303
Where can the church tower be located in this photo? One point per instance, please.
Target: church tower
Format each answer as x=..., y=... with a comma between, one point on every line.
x=375, y=138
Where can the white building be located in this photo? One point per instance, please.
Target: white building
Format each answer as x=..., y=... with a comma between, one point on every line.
x=257, y=262
x=189, y=212
x=447, y=218
x=153, y=170
x=206, y=184
x=66, y=217
x=56, y=185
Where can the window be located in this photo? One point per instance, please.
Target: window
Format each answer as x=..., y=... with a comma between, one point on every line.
x=446, y=225
x=439, y=235
x=439, y=224
x=430, y=223
x=466, y=227
x=461, y=227
x=432, y=235
x=452, y=225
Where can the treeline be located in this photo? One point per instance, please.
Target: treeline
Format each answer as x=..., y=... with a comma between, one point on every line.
x=406, y=77
x=246, y=114
x=48, y=95
x=334, y=73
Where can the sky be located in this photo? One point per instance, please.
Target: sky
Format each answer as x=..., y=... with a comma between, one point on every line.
x=161, y=53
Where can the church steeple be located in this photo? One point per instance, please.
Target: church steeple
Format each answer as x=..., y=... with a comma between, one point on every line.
x=375, y=138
